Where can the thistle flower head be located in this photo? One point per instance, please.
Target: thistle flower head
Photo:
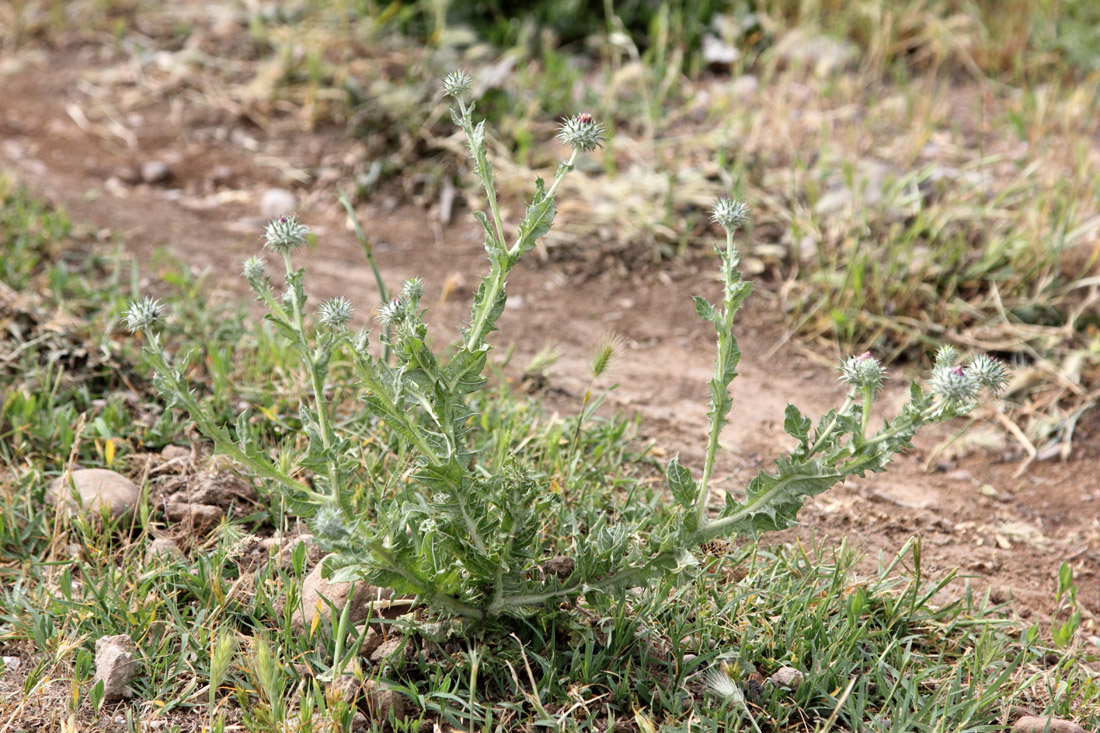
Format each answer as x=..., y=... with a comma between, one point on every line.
x=582, y=132
x=392, y=313
x=253, y=269
x=947, y=355
x=335, y=313
x=988, y=372
x=457, y=83
x=141, y=314
x=954, y=384
x=329, y=524
x=413, y=289
x=729, y=214
x=285, y=234
x=862, y=372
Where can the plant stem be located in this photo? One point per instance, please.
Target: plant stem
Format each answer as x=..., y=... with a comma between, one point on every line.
x=500, y=267
x=315, y=379
x=716, y=419
x=368, y=251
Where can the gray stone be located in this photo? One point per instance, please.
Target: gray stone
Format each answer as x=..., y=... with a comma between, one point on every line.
x=382, y=702
x=99, y=490
x=277, y=202
x=116, y=665
x=163, y=548
x=788, y=677
x=1039, y=724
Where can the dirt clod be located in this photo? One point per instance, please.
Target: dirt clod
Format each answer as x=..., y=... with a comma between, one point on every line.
x=199, y=515
x=116, y=665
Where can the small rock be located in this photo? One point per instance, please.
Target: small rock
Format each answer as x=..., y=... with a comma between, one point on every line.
x=155, y=171
x=277, y=202
x=371, y=641
x=382, y=702
x=128, y=174
x=281, y=550
x=346, y=688
x=10, y=664
x=788, y=677
x=200, y=515
x=216, y=488
x=163, y=548
x=316, y=589
x=116, y=665
x=99, y=490
x=174, y=452
x=1039, y=724
x=394, y=649
x=359, y=723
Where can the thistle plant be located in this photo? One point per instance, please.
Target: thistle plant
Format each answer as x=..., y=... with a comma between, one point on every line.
x=468, y=539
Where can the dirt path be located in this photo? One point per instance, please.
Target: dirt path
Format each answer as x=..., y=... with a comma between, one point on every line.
x=1007, y=533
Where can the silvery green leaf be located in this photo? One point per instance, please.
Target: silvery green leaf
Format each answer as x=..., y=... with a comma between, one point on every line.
x=795, y=425
x=704, y=308
x=537, y=222
x=680, y=483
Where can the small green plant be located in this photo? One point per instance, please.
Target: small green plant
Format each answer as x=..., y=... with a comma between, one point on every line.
x=468, y=536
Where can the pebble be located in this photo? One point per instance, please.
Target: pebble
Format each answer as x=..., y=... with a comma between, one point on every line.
x=116, y=665
x=277, y=202
x=164, y=549
x=10, y=663
x=155, y=171
x=99, y=489
x=788, y=677
x=1039, y=724
x=315, y=588
x=389, y=649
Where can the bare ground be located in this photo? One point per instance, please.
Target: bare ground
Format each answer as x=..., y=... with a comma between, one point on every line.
x=1007, y=531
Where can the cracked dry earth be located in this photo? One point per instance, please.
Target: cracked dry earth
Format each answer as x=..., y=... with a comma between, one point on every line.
x=1006, y=530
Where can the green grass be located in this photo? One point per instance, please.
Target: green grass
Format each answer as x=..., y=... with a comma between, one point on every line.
x=878, y=649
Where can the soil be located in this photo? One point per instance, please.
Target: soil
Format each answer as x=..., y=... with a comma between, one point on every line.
x=1007, y=530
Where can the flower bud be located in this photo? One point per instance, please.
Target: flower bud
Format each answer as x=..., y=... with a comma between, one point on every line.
x=954, y=384
x=456, y=83
x=582, y=132
x=285, y=234
x=392, y=313
x=141, y=314
x=988, y=372
x=862, y=372
x=413, y=289
x=335, y=313
x=253, y=269
x=729, y=214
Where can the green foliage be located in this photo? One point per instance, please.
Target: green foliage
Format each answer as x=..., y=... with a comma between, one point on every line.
x=468, y=536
